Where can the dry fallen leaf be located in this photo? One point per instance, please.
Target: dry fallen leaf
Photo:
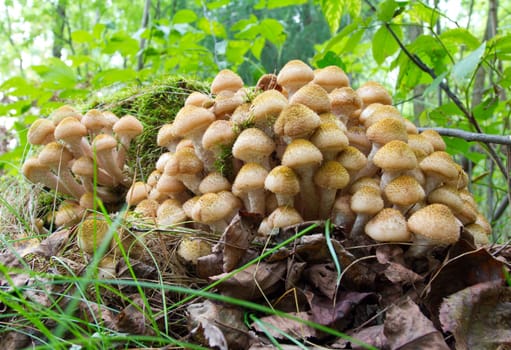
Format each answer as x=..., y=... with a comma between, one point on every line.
x=479, y=316
x=277, y=325
x=371, y=335
x=407, y=328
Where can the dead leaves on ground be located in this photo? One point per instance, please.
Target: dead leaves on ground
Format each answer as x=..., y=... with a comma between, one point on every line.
x=454, y=298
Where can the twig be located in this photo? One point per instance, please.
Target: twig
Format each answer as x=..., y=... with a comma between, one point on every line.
x=472, y=136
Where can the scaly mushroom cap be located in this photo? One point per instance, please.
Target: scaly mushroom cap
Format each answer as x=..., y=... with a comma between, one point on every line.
x=169, y=184
x=184, y=161
x=226, y=80
x=377, y=111
x=63, y=112
x=226, y=102
x=250, y=177
x=389, y=225
x=344, y=101
x=94, y=121
x=352, y=159
x=331, y=77
x=170, y=212
x=69, y=213
x=436, y=140
x=329, y=138
x=356, y=134
x=210, y=207
x=331, y=175
x=404, y=190
x=91, y=234
x=282, y=180
x=439, y=163
x=365, y=181
x=301, y=153
x=449, y=195
x=313, y=96
x=137, y=192
x=367, y=200
x=199, y=99
x=219, y=133
x=294, y=75
x=55, y=155
x=395, y=156
x=70, y=127
x=214, y=182
x=296, y=121
x=266, y=107
x=283, y=217
x=252, y=144
x=41, y=132
x=436, y=223
x=147, y=208
x=242, y=115
x=191, y=249
x=128, y=126
x=420, y=146
x=166, y=135
x=386, y=130
x=191, y=119
x=373, y=92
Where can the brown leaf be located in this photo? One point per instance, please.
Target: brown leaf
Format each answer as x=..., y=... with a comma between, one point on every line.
x=51, y=245
x=98, y=313
x=406, y=327
x=209, y=265
x=324, y=278
x=272, y=325
x=339, y=314
x=237, y=238
x=14, y=340
x=254, y=281
x=371, y=335
x=132, y=320
x=465, y=268
x=479, y=316
x=220, y=325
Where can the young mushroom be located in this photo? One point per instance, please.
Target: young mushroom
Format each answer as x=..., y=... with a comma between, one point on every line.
x=265, y=109
x=217, y=139
x=104, y=148
x=296, y=121
x=373, y=92
x=41, y=132
x=170, y=213
x=313, y=96
x=330, y=77
x=294, y=75
x=36, y=172
x=73, y=134
x=212, y=209
x=226, y=80
x=253, y=146
x=389, y=225
x=432, y=226
x=366, y=202
x=344, y=102
x=403, y=192
x=186, y=167
x=284, y=183
x=249, y=186
x=329, y=178
x=126, y=129
x=395, y=158
x=280, y=217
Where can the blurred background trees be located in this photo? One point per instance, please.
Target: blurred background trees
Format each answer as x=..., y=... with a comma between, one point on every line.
x=446, y=63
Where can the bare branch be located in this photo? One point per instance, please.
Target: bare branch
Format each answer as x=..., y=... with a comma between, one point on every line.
x=472, y=136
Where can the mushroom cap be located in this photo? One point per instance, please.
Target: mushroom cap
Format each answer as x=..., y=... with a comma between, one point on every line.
x=395, y=156
x=94, y=120
x=191, y=249
x=389, y=225
x=250, y=177
x=54, y=155
x=33, y=169
x=331, y=175
x=128, y=126
x=170, y=212
x=219, y=133
x=211, y=207
x=373, y=92
x=147, y=208
x=283, y=217
x=41, y=132
x=137, y=192
x=367, y=200
x=365, y=181
x=191, y=119
x=268, y=82
x=162, y=161
x=226, y=102
x=83, y=166
x=267, y=106
x=70, y=127
x=294, y=75
x=344, y=101
x=377, y=111
x=103, y=142
x=448, y=195
x=184, y=161
x=420, y=146
x=296, y=121
x=352, y=159
x=91, y=234
x=404, y=190
x=356, y=134
x=282, y=180
x=331, y=77
x=68, y=213
x=63, y=112
x=166, y=135
x=169, y=184
x=87, y=200
x=441, y=164
x=214, y=182
x=301, y=153
x=252, y=142
x=242, y=114
x=436, y=140
x=386, y=130
x=313, y=96
x=226, y=80
x=198, y=99
x=436, y=223
x=328, y=137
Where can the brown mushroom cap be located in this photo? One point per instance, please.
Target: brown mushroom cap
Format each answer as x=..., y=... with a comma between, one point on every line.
x=313, y=96
x=198, y=99
x=249, y=186
x=226, y=80
x=367, y=200
x=218, y=134
x=253, y=145
x=331, y=77
x=377, y=111
x=330, y=140
x=352, y=159
x=191, y=119
x=301, y=153
x=214, y=182
x=137, y=192
x=436, y=140
x=63, y=112
x=170, y=212
x=294, y=75
x=280, y=217
x=404, y=190
x=389, y=225
x=331, y=175
x=41, y=132
x=395, y=156
x=420, y=146
x=94, y=121
x=386, y=130
x=435, y=223
x=296, y=121
x=356, y=134
x=438, y=166
x=344, y=101
x=266, y=107
x=128, y=126
x=166, y=137
x=373, y=92
x=72, y=132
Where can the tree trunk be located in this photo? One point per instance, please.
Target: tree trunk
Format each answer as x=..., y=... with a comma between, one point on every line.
x=145, y=23
x=58, y=28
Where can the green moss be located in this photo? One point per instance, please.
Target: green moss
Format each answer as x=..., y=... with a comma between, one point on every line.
x=153, y=105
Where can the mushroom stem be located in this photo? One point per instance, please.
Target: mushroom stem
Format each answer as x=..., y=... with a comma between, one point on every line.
x=327, y=199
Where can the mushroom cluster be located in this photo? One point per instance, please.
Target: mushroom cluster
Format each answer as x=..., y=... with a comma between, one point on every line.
x=81, y=156
x=304, y=145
